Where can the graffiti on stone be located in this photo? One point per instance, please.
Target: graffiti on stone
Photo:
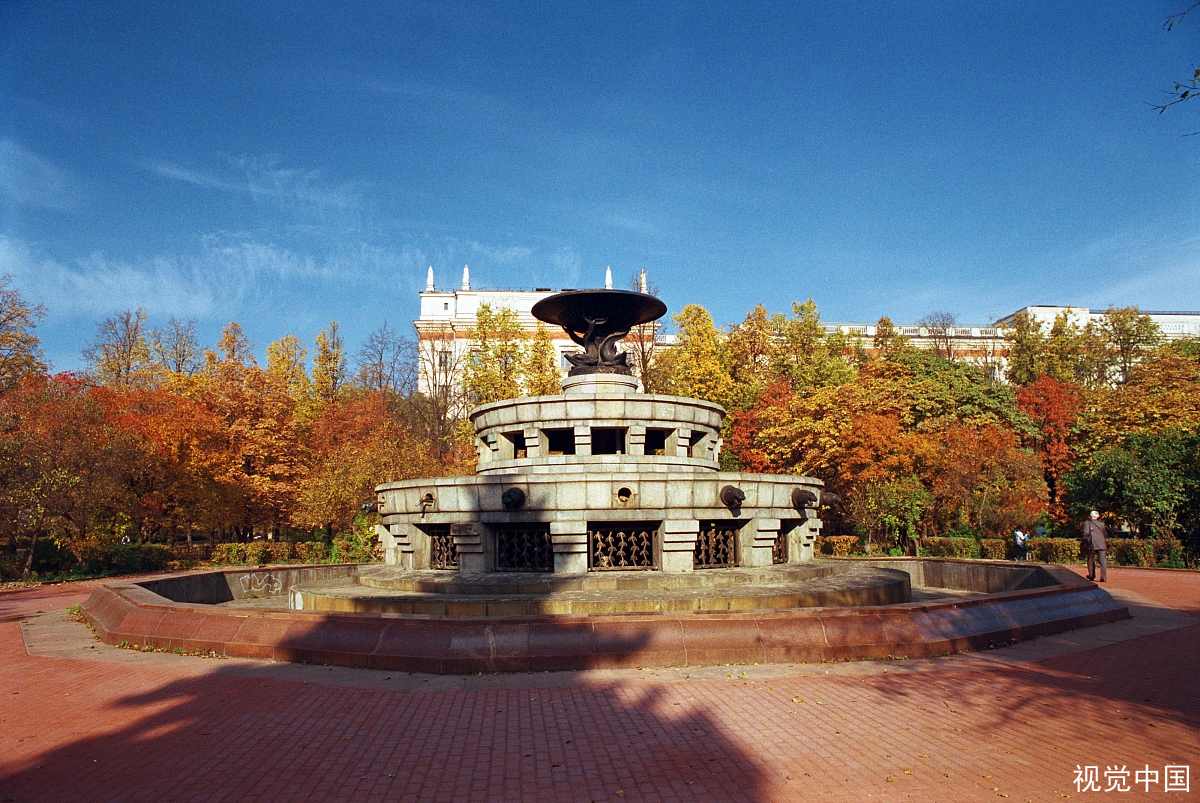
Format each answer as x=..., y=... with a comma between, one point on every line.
x=261, y=583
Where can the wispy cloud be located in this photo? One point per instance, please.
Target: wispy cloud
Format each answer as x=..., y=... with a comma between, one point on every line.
x=27, y=178
x=224, y=274
x=264, y=179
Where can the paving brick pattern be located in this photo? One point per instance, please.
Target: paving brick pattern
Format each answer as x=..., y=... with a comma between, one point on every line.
x=187, y=729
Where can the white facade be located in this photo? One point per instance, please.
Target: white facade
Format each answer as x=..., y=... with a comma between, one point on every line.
x=1174, y=325
x=447, y=321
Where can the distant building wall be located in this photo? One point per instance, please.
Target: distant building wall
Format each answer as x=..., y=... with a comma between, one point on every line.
x=447, y=322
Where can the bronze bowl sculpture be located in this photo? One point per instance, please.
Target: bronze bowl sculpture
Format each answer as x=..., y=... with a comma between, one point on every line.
x=597, y=320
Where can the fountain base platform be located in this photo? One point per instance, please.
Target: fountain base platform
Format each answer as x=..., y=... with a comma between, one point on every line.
x=957, y=605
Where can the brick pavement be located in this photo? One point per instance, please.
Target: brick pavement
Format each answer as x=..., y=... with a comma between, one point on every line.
x=164, y=728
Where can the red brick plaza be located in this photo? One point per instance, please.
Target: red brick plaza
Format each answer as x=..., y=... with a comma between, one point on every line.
x=81, y=721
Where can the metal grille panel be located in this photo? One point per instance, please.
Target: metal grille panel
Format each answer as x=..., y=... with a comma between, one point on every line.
x=617, y=547
x=716, y=545
x=524, y=548
x=443, y=554
x=779, y=549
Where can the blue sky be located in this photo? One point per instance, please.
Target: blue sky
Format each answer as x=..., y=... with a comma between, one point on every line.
x=287, y=164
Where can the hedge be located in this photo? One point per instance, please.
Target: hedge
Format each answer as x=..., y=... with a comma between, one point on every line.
x=96, y=558
x=1054, y=550
x=995, y=548
x=311, y=551
x=1146, y=552
x=837, y=545
x=950, y=547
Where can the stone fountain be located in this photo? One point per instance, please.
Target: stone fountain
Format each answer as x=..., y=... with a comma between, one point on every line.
x=601, y=478
x=598, y=531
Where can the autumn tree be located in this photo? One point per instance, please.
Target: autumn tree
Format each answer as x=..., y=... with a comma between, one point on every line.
x=750, y=351
x=119, y=355
x=329, y=364
x=1055, y=407
x=888, y=340
x=696, y=361
x=1129, y=335
x=287, y=361
x=493, y=367
x=806, y=354
x=984, y=480
x=354, y=445
x=541, y=375
x=20, y=348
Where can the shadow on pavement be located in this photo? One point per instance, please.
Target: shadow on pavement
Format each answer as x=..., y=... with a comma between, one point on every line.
x=224, y=736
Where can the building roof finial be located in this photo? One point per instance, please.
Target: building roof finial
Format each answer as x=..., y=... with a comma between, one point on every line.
x=466, y=278
x=608, y=278
x=429, y=280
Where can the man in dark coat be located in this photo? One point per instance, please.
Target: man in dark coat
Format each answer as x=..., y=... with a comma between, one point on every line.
x=1094, y=533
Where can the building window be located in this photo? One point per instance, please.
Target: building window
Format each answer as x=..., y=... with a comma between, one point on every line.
x=443, y=361
x=446, y=305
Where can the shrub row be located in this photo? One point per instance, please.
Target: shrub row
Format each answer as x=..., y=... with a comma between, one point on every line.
x=950, y=547
x=1162, y=552
x=257, y=553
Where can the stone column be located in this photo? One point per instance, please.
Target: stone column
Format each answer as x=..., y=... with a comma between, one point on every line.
x=569, y=540
x=679, y=544
x=803, y=538
x=583, y=440
x=400, y=553
x=468, y=540
x=391, y=551
x=683, y=443
x=533, y=442
x=635, y=440
x=758, y=538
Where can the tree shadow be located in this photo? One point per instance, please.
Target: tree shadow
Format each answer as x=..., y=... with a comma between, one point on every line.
x=229, y=736
x=1145, y=677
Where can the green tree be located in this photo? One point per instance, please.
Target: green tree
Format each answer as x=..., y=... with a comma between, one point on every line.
x=1143, y=479
x=888, y=511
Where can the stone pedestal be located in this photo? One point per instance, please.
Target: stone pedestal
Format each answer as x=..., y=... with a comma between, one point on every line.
x=759, y=539
x=468, y=540
x=679, y=544
x=569, y=540
x=397, y=545
x=600, y=383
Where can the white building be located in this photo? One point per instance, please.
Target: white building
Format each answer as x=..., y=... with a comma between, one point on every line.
x=447, y=322
x=1174, y=325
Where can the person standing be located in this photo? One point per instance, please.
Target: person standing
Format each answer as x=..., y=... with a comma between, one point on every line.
x=1022, y=539
x=1094, y=532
